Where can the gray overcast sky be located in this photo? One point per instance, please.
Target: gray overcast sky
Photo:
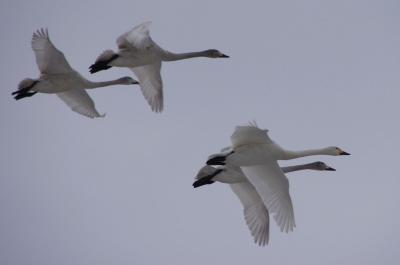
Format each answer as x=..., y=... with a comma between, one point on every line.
x=117, y=190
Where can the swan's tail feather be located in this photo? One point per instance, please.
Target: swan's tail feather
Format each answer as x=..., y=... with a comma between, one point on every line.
x=102, y=61
x=24, y=92
x=204, y=181
x=99, y=66
x=217, y=160
x=207, y=179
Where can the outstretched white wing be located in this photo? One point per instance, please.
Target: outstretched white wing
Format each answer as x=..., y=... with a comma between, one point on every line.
x=151, y=84
x=137, y=38
x=253, y=156
x=251, y=134
x=273, y=187
x=48, y=58
x=254, y=210
x=79, y=101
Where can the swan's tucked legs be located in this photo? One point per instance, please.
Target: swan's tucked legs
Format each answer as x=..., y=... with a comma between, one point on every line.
x=24, y=95
x=207, y=179
x=25, y=91
x=102, y=64
x=218, y=160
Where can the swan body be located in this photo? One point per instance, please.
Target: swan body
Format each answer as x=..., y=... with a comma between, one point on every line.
x=252, y=145
x=231, y=174
x=255, y=212
x=58, y=77
x=138, y=52
x=256, y=155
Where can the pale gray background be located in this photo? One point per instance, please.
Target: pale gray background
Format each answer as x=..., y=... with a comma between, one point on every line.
x=117, y=190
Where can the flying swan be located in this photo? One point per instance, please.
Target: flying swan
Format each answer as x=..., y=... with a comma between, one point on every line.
x=57, y=77
x=137, y=51
x=255, y=213
x=256, y=155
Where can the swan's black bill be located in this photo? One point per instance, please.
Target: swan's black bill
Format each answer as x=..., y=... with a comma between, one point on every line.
x=330, y=169
x=224, y=56
x=343, y=153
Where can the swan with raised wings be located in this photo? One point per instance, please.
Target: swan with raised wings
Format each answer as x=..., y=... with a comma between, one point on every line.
x=257, y=155
x=137, y=51
x=58, y=77
x=255, y=213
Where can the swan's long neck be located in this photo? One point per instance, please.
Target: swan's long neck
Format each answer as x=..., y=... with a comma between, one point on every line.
x=297, y=168
x=311, y=152
x=90, y=84
x=170, y=56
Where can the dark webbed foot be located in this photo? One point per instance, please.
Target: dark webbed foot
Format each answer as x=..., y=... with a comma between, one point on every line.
x=25, y=91
x=19, y=96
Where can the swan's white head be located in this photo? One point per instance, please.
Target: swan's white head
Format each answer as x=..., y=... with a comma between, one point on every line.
x=212, y=53
x=127, y=80
x=320, y=166
x=335, y=151
x=27, y=82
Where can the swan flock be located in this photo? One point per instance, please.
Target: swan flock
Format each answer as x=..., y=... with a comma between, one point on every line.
x=250, y=165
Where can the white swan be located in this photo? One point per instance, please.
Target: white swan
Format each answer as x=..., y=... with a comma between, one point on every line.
x=231, y=174
x=137, y=51
x=256, y=154
x=255, y=213
x=57, y=76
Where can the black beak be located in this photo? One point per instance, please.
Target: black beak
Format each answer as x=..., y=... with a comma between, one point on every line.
x=330, y=169
x=135, y=82
x=343, y=153
x=224, y=56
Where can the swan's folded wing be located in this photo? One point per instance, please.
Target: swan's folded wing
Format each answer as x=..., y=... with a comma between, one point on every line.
x=79, y=101
x=48, y=58
x=251, y=134
x=255, y=212
x=137, y=38
x=151, y=84
x=273, y=187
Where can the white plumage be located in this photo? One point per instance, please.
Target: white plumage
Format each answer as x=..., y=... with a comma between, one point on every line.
x=254, y=210
x=138, y=52
x=57, y=76
x=257, y=155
